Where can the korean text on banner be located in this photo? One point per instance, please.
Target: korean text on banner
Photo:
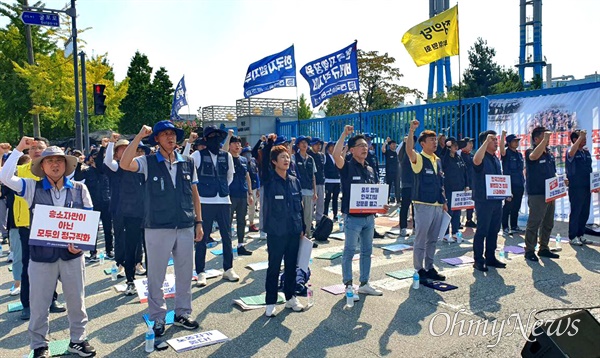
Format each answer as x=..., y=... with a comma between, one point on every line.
x=278, y=70
x=368, y=198
x=433, y=39
x=60, y=226
x=462, y=200
x=497, y=186
x=332, y=75
x=141, y=286
x=179, y=99
x=595, y=182
x=555, y=188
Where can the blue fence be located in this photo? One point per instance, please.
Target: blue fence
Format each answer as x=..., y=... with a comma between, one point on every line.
x=464, y=118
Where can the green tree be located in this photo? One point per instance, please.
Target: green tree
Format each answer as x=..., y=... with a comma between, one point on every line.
x=536, y=83
x=161, y=96
x=379, y=87
x=482, y=73
x=304, y=111
x=134, y=105
x=509, y=82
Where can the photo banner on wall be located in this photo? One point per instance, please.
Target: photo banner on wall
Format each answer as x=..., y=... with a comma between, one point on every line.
x=561, y=114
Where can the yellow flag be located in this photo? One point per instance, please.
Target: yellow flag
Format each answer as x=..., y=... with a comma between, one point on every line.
x=433, y=39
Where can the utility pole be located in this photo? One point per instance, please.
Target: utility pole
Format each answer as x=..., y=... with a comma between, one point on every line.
x=73, y=13
x=86, y=130
x=31, y=61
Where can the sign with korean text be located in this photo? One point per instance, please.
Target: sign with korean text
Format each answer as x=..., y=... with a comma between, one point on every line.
x=55, y=226
x=40, y=18
x=555, y=188
x=197, y=340
x=141, y=286
x=462, y=200
x=434, y=38
x=278, y=70
x=595, y=182
x=497, y=187
x=332, y=75
x=179, y=99
x=368, y=198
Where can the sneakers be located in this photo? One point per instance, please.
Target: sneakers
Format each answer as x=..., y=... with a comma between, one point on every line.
x=470, y=223
x=404, y=232
x=367, y=289
x=140, y=270
x=121, y=272
x=434, y=275
x=262, y=236
x=253, y=228
x=584, y=240
x=294, y=304
x=201, y=280
x=185, y=322
x=531, y=256
x=83, y=349
x=15, y=291
x=159, y=329
x=130, y=290
x=10, y=257
x=480, y=266
x=377, y=235
x=517, y=230
x=506, y=232
x=270, y=311
x=229, y=275
x=110, y=255
x=449, y=239
x=56, y=307
x=93, y=258
x=547, y=253
x=41, y=352
x=25, y=313
x=495, y=263
x=241, y=250
x=576, y=241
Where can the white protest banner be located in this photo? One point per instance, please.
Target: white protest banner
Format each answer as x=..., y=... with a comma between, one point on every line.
x=462, y=200
x=595, y=182
x=368, y=198
x=141, y=286
x=555, y=188
x=497, y=186
x=60, y=226
x=197, y=340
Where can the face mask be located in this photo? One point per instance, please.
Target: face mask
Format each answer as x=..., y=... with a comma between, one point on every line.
x=213, y=144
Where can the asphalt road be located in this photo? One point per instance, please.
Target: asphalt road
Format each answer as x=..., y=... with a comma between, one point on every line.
x=403, y=322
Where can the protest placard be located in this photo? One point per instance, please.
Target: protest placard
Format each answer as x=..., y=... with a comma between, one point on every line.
x=555, y=188
x=462, y=200
x=497, y=186
x=60, y=226
x=197, y=340
x=595, y=182
x=141, y=286
x=368, y=198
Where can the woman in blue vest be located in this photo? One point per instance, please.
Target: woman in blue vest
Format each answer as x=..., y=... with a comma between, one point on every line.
x=455, y=180
x=285, y=228
x=49, y=264
x=579, y=167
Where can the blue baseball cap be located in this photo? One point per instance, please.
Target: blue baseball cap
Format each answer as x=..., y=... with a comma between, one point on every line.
x=281, y=139
x=510, y=138
x=213, y=129
x=163, y=126
x=145, y=148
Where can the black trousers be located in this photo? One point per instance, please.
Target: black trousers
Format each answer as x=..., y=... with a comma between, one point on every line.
x=579, y=198
x=286, y=248
x=511, y=208
x=404, y=206
x=221, y=213
x=332, y=193
x=239, y=206
x=119, y=232
x=488, y=224
x=393, y=181
x=133, y=242
x=24, y=233
x=106, y=219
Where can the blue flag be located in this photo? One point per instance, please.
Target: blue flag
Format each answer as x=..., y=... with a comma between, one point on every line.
x=178, y=100
x=278, y=70
x=332, y=74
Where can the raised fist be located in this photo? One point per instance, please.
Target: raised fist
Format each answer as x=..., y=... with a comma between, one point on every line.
x=25, y=143
x=547, y=135
x=230, y=132
x=504, y=132
x=145, y=131
x=115, y=137
x=263, y=138
x=414, y=124
x=193, y=137
x=348, y=130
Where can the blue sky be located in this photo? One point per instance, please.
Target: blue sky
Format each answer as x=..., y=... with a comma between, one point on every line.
x=212, y=42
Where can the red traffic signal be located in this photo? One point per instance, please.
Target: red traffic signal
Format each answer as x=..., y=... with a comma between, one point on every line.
x=99, y=98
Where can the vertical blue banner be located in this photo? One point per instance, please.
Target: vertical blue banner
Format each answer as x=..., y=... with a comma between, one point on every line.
x=278, y=70
x=179, y=100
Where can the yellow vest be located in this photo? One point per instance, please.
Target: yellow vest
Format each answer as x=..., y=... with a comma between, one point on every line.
x=20, y=207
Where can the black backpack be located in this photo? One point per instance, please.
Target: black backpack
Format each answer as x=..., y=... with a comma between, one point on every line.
x=323, y=229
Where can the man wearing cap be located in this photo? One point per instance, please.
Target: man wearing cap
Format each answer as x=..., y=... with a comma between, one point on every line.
x=428, y=199
x=579, y=167
x=513, y=165
x=391, y=168
x=172, y=208
x=455, y=180
x=254, y=186
x=306, y=170
x=358, y=228
x=489, y=211
x=50, y=264
x=316, y=146
x=239, y=190
x=215, y=171
x=466, y=153
x=539, y=166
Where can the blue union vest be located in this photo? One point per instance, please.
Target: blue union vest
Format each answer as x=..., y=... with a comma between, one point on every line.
x=427, y=185
x=212, y=181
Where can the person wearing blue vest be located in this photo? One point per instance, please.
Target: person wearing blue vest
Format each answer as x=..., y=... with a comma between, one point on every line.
x=172, y=208
x=466, y=152
x=428, y=199
x=392, y=178
x=332, y=182
x=254, y=187
x=489, y=211
x=539, y=166
x=316, y=145
x=239, y=191
x=48, y=264
x=579, y=168
x=513, y=165
x=455, y=180
x=358, y=228
x=407, y=188
x=305, y=171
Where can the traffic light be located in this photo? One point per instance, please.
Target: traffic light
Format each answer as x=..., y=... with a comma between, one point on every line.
x=99, y=99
